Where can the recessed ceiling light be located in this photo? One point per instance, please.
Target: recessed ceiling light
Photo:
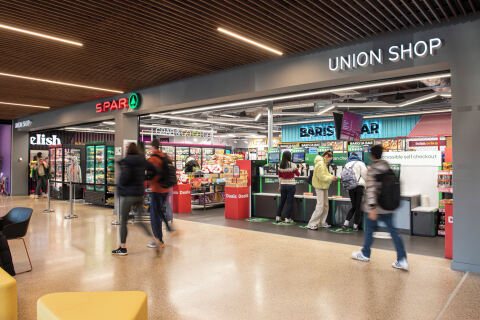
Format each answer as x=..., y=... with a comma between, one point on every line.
x=24, y=105
x=41, y=35
x=58, y=82
x=237, y=36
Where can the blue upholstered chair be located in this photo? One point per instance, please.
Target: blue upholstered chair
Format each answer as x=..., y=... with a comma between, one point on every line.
x=15, y=226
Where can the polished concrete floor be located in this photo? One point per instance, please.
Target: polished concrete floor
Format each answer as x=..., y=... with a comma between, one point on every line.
x=218, y=272
x=429, y=246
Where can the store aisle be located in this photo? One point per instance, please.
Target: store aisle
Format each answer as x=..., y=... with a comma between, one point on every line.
x=215, y=272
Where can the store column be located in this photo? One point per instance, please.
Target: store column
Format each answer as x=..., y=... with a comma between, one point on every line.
x=270, y=125
x=465, y=70
x=19, y=164
x=126, y=131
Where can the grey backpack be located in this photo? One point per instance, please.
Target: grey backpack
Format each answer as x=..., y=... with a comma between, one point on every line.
x=349, y=180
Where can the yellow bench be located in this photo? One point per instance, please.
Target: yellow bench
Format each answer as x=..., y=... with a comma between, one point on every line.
x=8, y=296
x=118, y=305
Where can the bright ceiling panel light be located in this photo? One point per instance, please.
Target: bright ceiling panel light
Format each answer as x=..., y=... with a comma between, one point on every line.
x=419, y=99
x=109, y=123
x=312, y=93
x=41, y=35
x=237, y=36
x=24, y=105
x=57, y=82
x=203, y=121
x=365, y=105
x=325, y=110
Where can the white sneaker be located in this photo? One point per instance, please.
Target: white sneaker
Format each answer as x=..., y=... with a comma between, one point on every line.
x=312, y=227
x=288, y=220
x=326, y=225
x=358, y=255
x=402, y=264
x=278, y=219
x=152, y=244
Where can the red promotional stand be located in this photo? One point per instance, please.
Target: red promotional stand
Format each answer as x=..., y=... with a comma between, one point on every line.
x=182, y=200
x=237, y=202
x=449, y=231
x=237, y=199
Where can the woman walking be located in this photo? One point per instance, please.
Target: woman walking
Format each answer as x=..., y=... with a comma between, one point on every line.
x=131, y=190
x=287, y=186
x=321, y=182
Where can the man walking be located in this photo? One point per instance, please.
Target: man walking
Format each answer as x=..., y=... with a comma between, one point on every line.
x=374, y=190
x=159, y=197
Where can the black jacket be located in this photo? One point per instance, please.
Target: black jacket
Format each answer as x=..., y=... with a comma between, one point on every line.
x=132, y=176
x=191, y=165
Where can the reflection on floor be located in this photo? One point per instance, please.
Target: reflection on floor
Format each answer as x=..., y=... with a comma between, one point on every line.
x=414, y=244
x=214, y=272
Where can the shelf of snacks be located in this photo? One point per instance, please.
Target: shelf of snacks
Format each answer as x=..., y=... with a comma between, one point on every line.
x=219, y=162
x=182, y=153
x=196, y=153
x=441, y=220
x=445, y=181
x=110, y=165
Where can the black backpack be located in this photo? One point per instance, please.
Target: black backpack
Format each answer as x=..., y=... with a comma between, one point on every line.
x=389, y=196
x=167, y=173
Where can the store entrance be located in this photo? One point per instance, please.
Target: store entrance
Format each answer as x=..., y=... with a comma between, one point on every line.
x=410, y=117
x=79, y=157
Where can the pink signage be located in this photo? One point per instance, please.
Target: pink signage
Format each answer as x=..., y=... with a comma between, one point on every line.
x=351, y=126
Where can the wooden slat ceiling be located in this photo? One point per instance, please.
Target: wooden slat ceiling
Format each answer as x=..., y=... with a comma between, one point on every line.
x=130, y=45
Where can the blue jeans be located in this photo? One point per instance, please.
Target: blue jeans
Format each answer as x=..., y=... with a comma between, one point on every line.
x=287, y=192
x=372, y=226
x=158, y=207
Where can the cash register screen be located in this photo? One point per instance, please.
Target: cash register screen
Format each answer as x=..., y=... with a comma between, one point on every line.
x=274, y=157
x=299, y=157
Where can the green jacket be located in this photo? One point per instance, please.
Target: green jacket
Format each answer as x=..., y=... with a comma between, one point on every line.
x=321, y=177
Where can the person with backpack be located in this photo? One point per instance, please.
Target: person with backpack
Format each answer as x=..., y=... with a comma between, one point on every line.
x=160, y=183
x=131, y=190
x=321, y=182
x=354, y=177
x=287, y=186
x=382, y=198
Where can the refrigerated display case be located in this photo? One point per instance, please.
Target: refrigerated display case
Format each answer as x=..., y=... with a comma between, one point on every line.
x=65, y=165
x=196, y=153
x=208, y=153
x=182, y=153
x=100, y=174
x=169, y=150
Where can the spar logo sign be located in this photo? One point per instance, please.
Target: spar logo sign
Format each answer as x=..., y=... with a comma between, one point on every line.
x=133, y=102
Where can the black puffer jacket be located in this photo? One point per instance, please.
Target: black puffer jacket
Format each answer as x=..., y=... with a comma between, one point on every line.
x=132, y=176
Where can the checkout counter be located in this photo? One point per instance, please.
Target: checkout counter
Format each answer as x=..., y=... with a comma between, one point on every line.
x=267, y=199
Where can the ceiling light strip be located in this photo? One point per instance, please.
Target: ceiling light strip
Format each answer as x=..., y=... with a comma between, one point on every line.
x=203, y=121
x=311, y=93
x=325, y=110
x=419, y=99
x=24, y=105
x=58, y=82
x=174, y=128
x=255, y=43
x=41, y=35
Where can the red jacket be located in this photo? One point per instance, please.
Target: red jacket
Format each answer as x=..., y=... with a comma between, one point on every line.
x=154, y=183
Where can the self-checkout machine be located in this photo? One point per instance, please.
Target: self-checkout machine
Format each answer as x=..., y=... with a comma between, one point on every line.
x=265, y=201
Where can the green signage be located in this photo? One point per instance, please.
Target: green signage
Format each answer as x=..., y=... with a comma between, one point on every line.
x=273, y=150
x=340, y=158
x=298, y=150
x=134, y=101
x=322, y=149
x=354, y=148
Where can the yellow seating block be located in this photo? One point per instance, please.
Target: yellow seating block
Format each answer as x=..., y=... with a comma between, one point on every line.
x=118, y=305
x=8, y=296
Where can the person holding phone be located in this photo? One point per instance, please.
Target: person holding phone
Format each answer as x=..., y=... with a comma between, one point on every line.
x=321, y=182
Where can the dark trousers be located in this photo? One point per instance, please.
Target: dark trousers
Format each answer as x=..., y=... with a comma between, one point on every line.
x=372, y=226
x=41, y=185
x=356, y=197
x=126, y=204
x=158, y=210
x=287, y=192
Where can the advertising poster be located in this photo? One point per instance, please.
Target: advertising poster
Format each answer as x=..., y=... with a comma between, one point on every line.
x=351, y=126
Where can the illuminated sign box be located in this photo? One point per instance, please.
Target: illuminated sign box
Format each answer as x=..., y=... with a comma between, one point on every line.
x=133, y=102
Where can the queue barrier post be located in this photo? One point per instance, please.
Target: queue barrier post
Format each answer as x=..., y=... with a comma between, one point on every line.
x=70, y=214
x=48, y=210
